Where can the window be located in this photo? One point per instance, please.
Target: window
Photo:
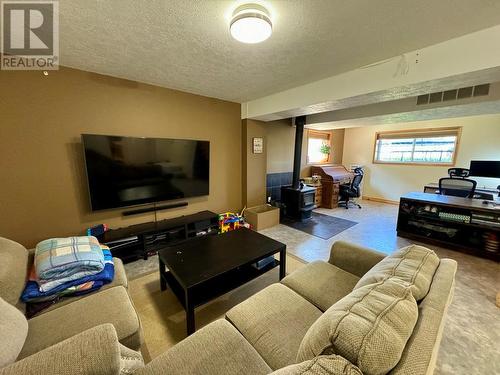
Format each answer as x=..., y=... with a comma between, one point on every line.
x=425, y=146
x=318, y=147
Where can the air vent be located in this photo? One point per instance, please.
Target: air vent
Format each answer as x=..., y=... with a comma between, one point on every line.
x=436, y=97
x=457, y=94
x=422, y=99
x=450, y=95
x=465, y=92
x=482, y=90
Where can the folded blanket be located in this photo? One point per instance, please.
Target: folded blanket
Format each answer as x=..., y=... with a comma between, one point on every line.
x=67, y=258
x=33, y=307
x=33, y=293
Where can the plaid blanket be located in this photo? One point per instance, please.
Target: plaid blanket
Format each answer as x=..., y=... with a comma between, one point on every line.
x=67, y=259
x=32, y=292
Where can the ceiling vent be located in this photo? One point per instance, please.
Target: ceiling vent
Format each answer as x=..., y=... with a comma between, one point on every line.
x=457, y=94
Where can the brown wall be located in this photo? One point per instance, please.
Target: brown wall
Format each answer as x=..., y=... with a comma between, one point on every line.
x=281, y=143
x=280, y=147
x=43, y=191
x=254, y=165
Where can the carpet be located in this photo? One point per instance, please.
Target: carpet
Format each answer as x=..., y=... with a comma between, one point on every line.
x=163, y=318
x=141, y=267
x=320, y=225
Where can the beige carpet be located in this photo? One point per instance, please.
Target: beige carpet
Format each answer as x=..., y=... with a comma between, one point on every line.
x=163, y=317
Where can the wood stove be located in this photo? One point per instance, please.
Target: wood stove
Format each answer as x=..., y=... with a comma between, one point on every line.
x=299, y=202
x=298, y=198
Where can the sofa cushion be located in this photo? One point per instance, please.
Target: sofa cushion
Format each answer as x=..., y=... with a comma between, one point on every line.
x=13, y=332
x=109, y=306
x=321, y=283
x=274, y=321
x=413, y=264
x=120, y=279
x=369, y=327
x=217, y=348
x=13, y=270
x=321, y=365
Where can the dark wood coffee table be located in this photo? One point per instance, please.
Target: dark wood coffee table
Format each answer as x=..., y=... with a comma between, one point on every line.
x=205, y=268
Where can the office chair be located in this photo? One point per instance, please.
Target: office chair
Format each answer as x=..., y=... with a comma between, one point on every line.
x=352, y=190
x=457, y=187
x=458, y=172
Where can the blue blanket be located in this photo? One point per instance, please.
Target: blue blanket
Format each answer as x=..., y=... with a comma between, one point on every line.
x=33, y=293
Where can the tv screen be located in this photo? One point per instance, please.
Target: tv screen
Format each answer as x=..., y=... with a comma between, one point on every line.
x=485, y=168
x=126, y=171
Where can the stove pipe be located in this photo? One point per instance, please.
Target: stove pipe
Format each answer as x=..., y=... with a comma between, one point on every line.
x=300, y=121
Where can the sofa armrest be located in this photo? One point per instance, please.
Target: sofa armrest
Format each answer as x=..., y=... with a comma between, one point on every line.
x=94, y=351
x=354, y=258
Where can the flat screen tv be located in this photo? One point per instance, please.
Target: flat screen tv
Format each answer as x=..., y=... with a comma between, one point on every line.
x=485, y=168
x=127, y=171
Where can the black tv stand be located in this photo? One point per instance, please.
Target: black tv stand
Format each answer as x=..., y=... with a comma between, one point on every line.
x=142, y=240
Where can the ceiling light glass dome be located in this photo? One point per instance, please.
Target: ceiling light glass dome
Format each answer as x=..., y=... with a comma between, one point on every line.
x=251, y=24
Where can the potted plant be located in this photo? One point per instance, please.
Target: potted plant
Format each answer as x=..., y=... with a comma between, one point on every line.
x=325, y=149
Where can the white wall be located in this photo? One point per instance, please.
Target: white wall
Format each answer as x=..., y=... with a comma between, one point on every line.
x=480, y=141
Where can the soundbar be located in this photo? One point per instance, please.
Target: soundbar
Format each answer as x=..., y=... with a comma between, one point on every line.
x=154, y=208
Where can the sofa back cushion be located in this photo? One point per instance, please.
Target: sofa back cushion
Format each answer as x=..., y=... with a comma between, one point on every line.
x=321, y=365
x=420, y=354
x=13, y=332
x=413, y=264
x=369, y=327
x=13, y=270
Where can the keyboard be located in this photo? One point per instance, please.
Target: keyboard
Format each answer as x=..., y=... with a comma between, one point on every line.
x=459, y=218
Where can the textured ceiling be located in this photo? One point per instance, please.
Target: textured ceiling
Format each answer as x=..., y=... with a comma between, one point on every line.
x=185, y=44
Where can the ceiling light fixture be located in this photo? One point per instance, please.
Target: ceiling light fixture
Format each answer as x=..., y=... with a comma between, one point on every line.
x=251, y=23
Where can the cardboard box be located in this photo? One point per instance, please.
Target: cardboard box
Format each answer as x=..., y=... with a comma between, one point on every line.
x=262, y=217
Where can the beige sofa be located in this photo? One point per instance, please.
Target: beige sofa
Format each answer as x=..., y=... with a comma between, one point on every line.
x=108, y=314
x=358, y=313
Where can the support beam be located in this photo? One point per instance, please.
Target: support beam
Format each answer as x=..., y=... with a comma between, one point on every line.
x=470, y=59
x=297, y=156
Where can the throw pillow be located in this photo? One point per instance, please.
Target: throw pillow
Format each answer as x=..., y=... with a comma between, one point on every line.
x=413, y=264
x=369, y=327
x=322, y=365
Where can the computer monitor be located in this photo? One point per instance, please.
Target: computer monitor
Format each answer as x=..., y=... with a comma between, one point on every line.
x=485, y=168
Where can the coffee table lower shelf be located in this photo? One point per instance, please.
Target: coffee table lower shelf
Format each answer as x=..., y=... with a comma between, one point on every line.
x=213, y=288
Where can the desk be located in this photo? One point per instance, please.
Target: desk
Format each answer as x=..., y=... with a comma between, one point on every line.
x=481, y=193
x=332, y=177
x=461, y=224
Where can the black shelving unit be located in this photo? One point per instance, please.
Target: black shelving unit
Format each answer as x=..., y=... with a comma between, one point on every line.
x=145, y=239
x=462, y=224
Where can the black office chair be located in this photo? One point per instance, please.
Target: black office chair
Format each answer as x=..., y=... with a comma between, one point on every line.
x=458, y=172
x=457, y=187
x=352, y=190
